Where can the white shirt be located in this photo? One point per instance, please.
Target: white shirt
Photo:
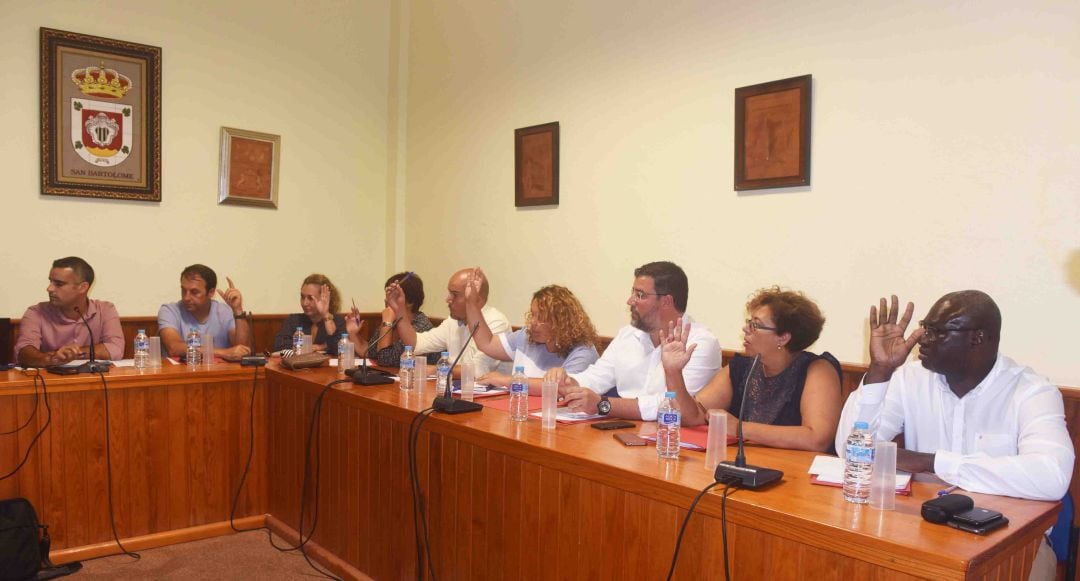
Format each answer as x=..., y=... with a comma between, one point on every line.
x=632, y=364
x=450, y=334
x=1007, y=436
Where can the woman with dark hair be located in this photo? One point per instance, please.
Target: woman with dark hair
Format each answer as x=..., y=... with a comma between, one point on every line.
x=793, y=396
x=387, y=352
x=320, y=302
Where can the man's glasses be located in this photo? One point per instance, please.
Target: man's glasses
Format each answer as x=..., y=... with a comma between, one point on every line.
x=932, y=333
x=639, y=295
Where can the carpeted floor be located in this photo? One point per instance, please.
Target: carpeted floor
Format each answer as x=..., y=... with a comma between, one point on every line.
x=240, y=556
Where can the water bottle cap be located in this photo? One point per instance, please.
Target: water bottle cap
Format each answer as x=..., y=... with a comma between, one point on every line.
x=344, y=335
x=445, y=353
x=519, y=369
x=408, y=347
x=862, y=426
x=301, y=329
x=141, y=332
x=670, y=395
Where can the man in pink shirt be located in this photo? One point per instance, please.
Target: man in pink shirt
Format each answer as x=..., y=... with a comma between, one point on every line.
x=53, y=332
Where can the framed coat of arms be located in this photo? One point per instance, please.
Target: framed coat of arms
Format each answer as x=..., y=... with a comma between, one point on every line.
x=100, y=117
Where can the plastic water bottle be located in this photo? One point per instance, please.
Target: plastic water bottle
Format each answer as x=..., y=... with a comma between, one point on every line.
x=142, y=350
x=346, y=357
x=443, y=367
x=298, y=341
x=407, y=369
x=194, y=347
x=668, y=423
x=859, y=464
x=519, y=395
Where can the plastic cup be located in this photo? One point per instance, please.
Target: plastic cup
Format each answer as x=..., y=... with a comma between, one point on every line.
x=550, y=401
x=420, y=377
x=155, y=352
x=716, y=447
x=883, y=478
x=308, y=347
x=208, y=349
x=468, y=380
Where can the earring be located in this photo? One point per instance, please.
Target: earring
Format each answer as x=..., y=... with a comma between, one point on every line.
x=779, y=346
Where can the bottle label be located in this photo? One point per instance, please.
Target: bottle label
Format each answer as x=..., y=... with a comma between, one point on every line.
x=669, y=418
x=142, y=344
x=519, y=388
x=408, y=364
x=444, y=369
x=860, y=453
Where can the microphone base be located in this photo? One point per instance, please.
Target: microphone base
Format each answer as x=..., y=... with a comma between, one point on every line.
x=95, y=367
x=747, y=476
x=371, y=378
x=451, y=405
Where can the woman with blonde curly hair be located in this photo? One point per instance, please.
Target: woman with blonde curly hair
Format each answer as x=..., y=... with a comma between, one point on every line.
x=320, y=302
x=793, y=396
x=557, y=333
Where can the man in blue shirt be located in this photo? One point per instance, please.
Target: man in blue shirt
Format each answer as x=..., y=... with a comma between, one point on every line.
x=226, y=322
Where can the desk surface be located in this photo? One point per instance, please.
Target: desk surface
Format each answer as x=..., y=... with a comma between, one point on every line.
x=793, y=511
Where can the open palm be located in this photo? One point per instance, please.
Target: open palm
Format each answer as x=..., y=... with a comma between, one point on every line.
x=888, y=347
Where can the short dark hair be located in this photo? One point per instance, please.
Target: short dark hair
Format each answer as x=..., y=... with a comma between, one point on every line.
x=413, y=288
x=202, y=271
x=668, y=279
x=792, y=312
x=82, y=269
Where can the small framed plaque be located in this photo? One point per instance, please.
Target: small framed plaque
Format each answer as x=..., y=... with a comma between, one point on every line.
x=772, y=134
x=249, y=168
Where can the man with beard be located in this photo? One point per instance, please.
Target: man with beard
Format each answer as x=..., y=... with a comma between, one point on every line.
x=53, y=332
x=971, y=416
x=226, y=322
x=630, y=366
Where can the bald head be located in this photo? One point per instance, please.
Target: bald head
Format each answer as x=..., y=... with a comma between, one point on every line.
x=979, y=310
x=461, y=277
x=455, y=293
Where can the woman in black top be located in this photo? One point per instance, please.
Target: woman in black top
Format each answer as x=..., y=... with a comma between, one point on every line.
x=320, y=302
x=793, y=396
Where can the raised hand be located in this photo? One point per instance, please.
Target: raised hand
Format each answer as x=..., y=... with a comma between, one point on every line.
x=353, y=324
x=233, y=298
x=888, y=347
x=674, y=353
x=322, y=304
x=395, y=299
x=473, y=284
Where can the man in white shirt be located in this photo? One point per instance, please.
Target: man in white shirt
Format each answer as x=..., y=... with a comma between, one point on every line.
x=971, y=416
x=450, y=335
x=631, y=363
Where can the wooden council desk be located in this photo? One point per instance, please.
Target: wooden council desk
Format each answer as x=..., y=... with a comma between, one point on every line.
x=510, y=500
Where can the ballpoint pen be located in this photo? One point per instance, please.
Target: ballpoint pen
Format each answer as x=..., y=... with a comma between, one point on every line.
x=948, y=490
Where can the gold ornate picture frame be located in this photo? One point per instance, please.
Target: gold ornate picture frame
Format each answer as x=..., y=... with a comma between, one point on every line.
x=249, y=168
x=100, y=117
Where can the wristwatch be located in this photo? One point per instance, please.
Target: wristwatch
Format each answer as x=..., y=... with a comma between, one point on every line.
x=387, y=324
x=604, y=407
x=242, y=315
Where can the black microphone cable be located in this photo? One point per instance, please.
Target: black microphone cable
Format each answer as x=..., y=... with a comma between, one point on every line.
x=108, y=471
x=48, y=420
x=33, y=410
x=723, y=519
x=420, y=528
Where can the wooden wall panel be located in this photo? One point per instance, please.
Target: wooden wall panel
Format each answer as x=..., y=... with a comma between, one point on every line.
x=178, y=450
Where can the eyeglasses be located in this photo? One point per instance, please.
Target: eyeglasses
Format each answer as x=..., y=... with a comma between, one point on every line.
x=639, y=295
x=756, y=326
x=933, y=333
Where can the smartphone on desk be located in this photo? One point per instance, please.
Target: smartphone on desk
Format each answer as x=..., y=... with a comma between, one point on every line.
x=630, y=439
x=978, y=520
x=612, y=425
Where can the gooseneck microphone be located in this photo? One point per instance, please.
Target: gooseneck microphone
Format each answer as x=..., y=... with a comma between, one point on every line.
x=446, y=403
x=363, y=376
x=739, y=471
x=92, y=366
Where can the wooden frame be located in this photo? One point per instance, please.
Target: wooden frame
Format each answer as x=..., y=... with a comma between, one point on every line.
x=536, y=165
x=772, y=134
x=100, y=117
x=249, y=168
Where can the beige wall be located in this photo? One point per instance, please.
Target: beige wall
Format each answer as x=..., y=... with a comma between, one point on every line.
x=313, y=72
x=945, y=156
